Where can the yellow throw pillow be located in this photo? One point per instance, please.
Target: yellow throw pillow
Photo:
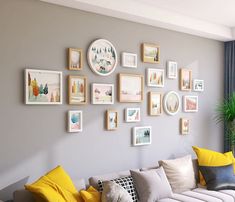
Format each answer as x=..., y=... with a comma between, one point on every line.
x=55, y=186
x=91, y=195
x=212, y=158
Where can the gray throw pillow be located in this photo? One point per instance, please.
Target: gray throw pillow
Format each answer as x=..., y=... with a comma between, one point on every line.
x=112, y=192
x=151, y=185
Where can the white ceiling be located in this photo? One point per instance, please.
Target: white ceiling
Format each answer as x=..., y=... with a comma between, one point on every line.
x=213, y=19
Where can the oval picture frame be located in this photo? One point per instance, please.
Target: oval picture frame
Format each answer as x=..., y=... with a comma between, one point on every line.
x=173, y=107
x=102, y=57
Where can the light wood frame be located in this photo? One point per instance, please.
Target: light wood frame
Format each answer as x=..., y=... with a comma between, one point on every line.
x=70, y=67
x=182, y=71
x=143, y=53
x=182, y=132
x=108, y=127
x=70, y=77
x=150, y=95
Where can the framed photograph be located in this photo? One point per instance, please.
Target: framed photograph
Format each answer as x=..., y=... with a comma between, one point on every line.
x=102, y=57
x=150, y=53
x=155, y=103
x=111, y=119
x=74, y=121
x=198, y=85
x=185, y=80
x=172, y=70
x=172, y=103
x=190, y=103
x=132, y=115
x=102, y=93
x=155, y=77
x=43, y=87
x=130, y=88
x=77, y=90
x=184, y=126
x=129, y=60
x=75, y=59
x=142, y=135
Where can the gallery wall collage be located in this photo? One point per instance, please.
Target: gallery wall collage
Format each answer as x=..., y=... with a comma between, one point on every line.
x=45, y=87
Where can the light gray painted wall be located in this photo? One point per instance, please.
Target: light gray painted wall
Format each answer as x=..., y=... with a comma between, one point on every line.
x=34, y=138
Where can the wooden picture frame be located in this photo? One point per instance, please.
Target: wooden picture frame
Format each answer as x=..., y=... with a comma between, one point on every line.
x=142, y=136
x=150, y=53
x=184, y=126
x=190, y=103
x=75, y=121
x=154, y=103
x=155, y=77
x=75, y=58
x=77, y=90
x=112, y=119
x=185, y=79
x=102, y=93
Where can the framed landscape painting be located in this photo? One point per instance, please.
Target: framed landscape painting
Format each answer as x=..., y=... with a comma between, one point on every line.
x=102, y=93
x=155, y=104
x=75, y=121
x=190, y=103
x=132, y=114
x=111, y=119
x=185, y=80
x=155, y=77
x=142, y=135
x=172, y=103
x=150, y=53
x=77, y=90
x=43, y=87
x=75, y=59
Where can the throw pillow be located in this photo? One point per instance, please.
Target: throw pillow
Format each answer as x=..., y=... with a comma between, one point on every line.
x=151, y=185
x=90, y=195
x=212, y=158
x=55, y=186
x=112, y=192
x=180, y=173
x=218, y=177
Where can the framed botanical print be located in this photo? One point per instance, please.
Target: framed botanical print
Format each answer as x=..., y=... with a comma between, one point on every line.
x=155, y=77
x=172, y=103
x=142, y=135
x=74, y=121
x=184, y=126
x=129, y=60
x=155, y=103
x=172, y=70
x=132, y=114
x=190, y=103
x=75, y=59
x=102, y=93
x=150, y=53
x=185, y=80
x=111, y=119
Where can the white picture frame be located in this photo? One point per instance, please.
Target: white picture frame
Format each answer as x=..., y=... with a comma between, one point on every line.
x=190, y=103
x=172, y=103
x=102, y=93
x=142, y=136
x=198, y=85
x=132, y=115
x=155, y=77
x=129, y=60
x=75, y=121
x=172, y=70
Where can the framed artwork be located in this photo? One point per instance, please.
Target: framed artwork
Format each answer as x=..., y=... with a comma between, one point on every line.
x=43, y=87
x=75, y=121
x=185, y=80
x=155, y=103
x=190, y=103
x=129, y=60
x=150, y=53
x=184, y=126
x=172, y=70
x=132, y=114
x=142, y=135
x=102, y=57
x=102, y=93
x=111, y=119
x=130, y=88
x=198, y=85
x=77, y=90
x=75, y=59
x=155, y=77
x=172, y=103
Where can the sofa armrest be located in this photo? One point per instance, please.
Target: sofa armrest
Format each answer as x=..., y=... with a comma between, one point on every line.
x=23, y=195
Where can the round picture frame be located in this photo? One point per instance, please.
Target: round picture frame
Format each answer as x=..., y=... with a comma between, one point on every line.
x=102, y=57
x=173, y=107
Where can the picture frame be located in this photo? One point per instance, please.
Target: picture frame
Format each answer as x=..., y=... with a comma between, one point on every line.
x=102, y=93
x=172, y=70
x=172, y=103
x=185, y=79
x=132, y=114
x=190, y=103
x=198, y=85
x=142, y=136
x=150, y=53
x=75, y=58
x=43, y=87
x=130, y=88
x=111, y=119
x=75, y=121
x=102, y=57
x=155, y=103
x=184, y=126
x=129, y=60
x=155, y=78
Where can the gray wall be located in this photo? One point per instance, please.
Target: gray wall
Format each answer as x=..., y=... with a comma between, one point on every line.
x=34, y=138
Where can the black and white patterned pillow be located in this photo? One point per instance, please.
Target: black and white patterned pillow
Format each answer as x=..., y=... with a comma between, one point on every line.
x=126, y=183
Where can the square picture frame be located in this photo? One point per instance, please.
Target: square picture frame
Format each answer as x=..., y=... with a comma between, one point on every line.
x=129, y=60
x=184, y=126
x=198, y=85
x=75, y=121
x=132, y=115
x=75, y=59
x=77, y=88
x=172, y=70
x=155, y=78
x=102, y=93
x=142, y=136
x=190, y=103
x=111, y=120
x=155, y=103
x=185, y=79
x=150, y=53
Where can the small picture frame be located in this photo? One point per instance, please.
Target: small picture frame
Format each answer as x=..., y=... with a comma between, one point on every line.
x=184, y=126
x=150, y=53
x=75, y=121
x=172, y=70
x=198, y=85
x=171, y=103
x=190, y=103
x=75, y=59
x=185, y=79
x=132, y=114
x=142, y=135
x=155, y=78
x=129, y=60
x=102, y=93
x=111, y=120
x=155, y=103
x=77, y=90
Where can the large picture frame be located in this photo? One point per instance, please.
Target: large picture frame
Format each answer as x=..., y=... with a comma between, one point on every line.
x=155, y=103
x=150, y=53
x=102, y=93
x=185, y=79
x=190, y=103
x=75, y=59
x=142, y=135
x=172, y=103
